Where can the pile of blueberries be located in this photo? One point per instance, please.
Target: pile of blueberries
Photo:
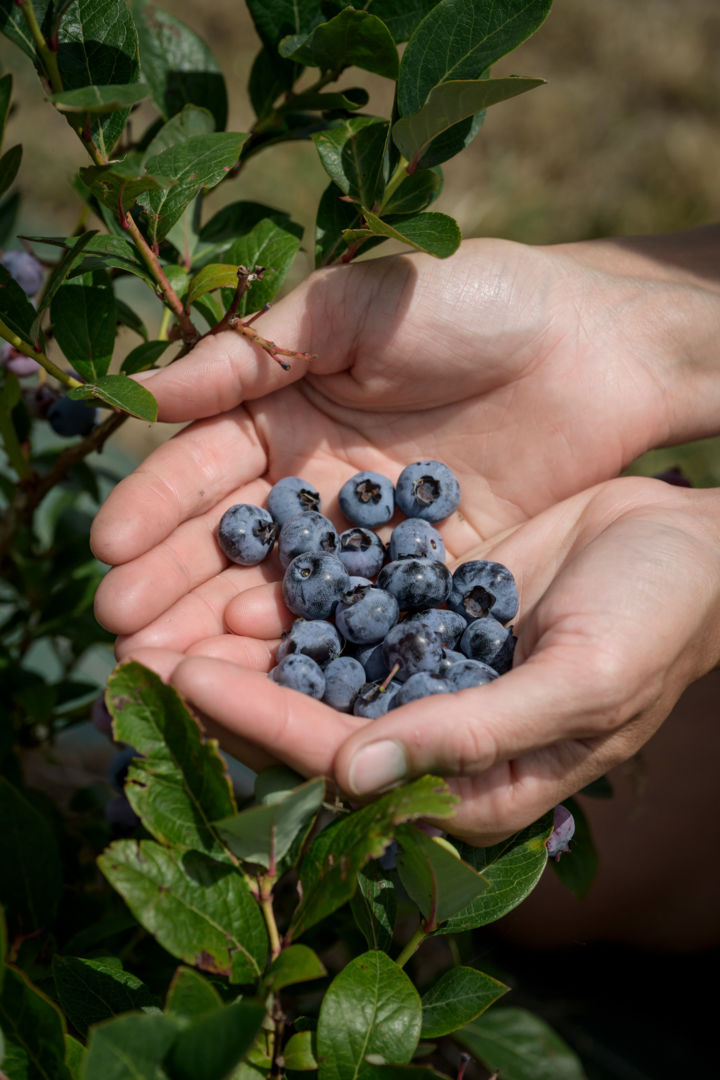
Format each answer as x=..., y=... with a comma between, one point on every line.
x=377, y=627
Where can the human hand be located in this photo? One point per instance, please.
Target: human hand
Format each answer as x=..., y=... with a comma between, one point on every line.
x=619, y=612
x=532, y=372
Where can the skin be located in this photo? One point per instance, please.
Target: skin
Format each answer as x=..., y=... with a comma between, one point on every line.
x=536, y=374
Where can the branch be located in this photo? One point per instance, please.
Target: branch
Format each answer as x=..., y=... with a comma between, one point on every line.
x=39, y=357
x=189, y=333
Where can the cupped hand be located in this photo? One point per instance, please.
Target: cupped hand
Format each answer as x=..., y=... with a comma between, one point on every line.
x=532, y=372
x=619, y=612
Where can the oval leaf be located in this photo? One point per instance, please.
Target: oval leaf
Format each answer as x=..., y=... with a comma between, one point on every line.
x=129, y=1046
x=351, y=37
x=33, y=1029
x=212, y=276
x=264, y=834
x=214, y=1044
x=520, y=1046
x=436, y=234
x=93, y=990
x=122, y=393
x=435, y=877
x=450, y=103
x=100, y=99
x=460, y=39
x=84, y=321
x=199, y=909
x=458, y=997
x=370, y=1008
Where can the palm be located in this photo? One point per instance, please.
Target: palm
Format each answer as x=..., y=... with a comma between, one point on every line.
x=475, y=363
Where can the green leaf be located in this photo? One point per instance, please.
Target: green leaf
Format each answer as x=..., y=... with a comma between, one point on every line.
x=180, y=785
x=416, y=191
x=298, y=1053
x=29, y=894
x=261, y=834
x=401, y=16
x=84, y=320
x=236, y=219
x=328, y=873
x=72, y=253
x=100, y=99
x=132, y=1046
x=334, y=217
x=119, y=392
x=270, y=77
x=436, y=234
x=143, y=356
x=520, y=1046
x=98, y=46
x=457, y=997
x=34, y=1032
x=189, y=122
x=201, y=161
x=100, y=251
x=16, y=311
x=213, y=276
x=93, y=990
x=6, y=88
x=74, y=1057
x=374, y=906
x=450, y=103
x=127, y=316
x=370, y=1008
x=349, y=100
x=295, y=964
x=191, y=995
x=9, y=165
x=213, y=1044
x=199, y=909
x=434, y=875
x=178, y=66
x=275, y=19
x=460, y=39
x=119, y=185
x=8, y=215
x=273, y=244
x=512, y=868
x=350, y=38
x=578, y=869
x=352, y=154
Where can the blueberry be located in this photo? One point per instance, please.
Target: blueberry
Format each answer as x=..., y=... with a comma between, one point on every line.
x=313, y=583
x=310, y=531
x=416, y=538
x=467, y=673
x=118, y=766
x=416, y=583
x=344, y=679
x=361, y=551
x=26, y=270
x=427, y=489
x=367, y=499
x=291, y=496
x=412, y=648
x=120, y=814
x=372, y=658
x=421, y=684
x=482, y=588
x=489, y=641
x=316, y=638
x=448, y=624
x=375, y=699
x=300, y=672
x=246, y=534
x=68, y=417
x=365, y=614
x=450, y=657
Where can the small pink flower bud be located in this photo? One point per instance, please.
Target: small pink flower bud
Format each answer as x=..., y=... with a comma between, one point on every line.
x=558, y=843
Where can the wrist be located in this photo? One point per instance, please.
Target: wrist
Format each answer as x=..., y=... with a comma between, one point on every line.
x=664, y=295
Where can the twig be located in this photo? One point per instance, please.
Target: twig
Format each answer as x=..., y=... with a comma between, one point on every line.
x=188, y=330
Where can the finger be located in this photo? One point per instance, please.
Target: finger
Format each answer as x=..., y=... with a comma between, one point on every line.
x=246, y=652
x=184, y=477
x=259, y=612
x=298, y=730
x=197, y=615
x=227, y=368
x=132, y=595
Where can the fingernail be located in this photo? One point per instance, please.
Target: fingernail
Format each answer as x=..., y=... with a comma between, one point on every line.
x=377, y=766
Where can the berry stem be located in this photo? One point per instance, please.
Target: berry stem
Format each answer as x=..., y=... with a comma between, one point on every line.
x=412, y=947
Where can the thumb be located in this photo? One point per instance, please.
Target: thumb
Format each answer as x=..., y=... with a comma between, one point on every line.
x=552, y=696
x=236, y=365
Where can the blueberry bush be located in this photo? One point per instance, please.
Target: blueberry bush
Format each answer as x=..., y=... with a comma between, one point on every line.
x=176, y=927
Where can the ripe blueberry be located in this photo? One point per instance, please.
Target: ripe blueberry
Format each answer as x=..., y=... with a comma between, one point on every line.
x=367, y=499
x=427, y=489
x=246, y=534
